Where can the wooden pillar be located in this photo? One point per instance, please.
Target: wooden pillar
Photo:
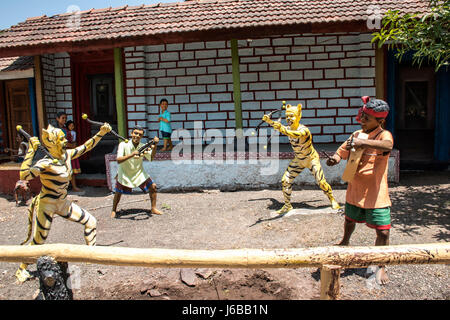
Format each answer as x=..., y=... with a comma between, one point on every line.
x=34, y=118
x=237, y=86
x=120, y=94
x=329, y=282
x=380, y=73
x=40, y=103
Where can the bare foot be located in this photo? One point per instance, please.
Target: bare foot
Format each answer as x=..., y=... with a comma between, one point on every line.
x=77, y=189
x=342, y=243
x=113, y=214
x=381, y=276
x=163, y=149
x=156, y=211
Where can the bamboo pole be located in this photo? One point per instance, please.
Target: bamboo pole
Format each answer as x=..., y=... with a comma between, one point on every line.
x=346, y=257
x=329, y=282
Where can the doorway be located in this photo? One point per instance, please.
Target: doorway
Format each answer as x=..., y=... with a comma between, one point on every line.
x=102, y=109
x=94, y=95
x=18, y=109
x=415, y=114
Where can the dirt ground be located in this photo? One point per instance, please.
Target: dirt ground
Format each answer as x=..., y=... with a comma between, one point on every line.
x=243, y=219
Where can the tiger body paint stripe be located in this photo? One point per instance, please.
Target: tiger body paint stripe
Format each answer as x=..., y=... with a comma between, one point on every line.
x=52, y=199
x=306, y=156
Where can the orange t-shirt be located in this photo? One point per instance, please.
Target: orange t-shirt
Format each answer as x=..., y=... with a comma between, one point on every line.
x=369, y=187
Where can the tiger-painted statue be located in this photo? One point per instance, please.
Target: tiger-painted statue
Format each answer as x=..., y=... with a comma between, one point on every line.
x=305, y=156
x=55, y=177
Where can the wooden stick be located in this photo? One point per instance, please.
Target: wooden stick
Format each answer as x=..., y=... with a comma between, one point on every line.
x=41, y=147
x=85, y=117
x=329, y=282
x=346, y=257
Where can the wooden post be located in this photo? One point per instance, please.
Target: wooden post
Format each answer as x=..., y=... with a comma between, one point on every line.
x=329, y=282
x=120, y=95
x=237, y=86
x=40, y=103
x=380, y=73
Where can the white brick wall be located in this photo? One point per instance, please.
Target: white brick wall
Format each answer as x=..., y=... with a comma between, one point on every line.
x=327, y=73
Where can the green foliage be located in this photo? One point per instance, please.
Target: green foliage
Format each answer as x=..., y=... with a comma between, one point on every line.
x=428, y=34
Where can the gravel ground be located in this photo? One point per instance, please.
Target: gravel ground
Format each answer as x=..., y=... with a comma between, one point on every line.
x=243, y=219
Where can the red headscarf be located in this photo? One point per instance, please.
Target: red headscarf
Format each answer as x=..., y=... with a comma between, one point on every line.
x=371, y=112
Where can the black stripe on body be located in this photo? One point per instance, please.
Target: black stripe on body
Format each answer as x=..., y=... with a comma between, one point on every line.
x=50, y=189
x=87, y=234
x=40, y=225
x=82, y=216
x=51, y=196
x=49, y=218
x=53, y=174
x=42, y=236
x=58, y=183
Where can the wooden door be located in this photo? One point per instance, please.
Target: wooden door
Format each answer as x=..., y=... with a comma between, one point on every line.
x=416, y=113
x=18, y=109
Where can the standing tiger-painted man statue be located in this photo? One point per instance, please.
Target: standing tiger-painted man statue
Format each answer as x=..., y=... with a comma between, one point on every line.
x=305, y=156
x=55, y=176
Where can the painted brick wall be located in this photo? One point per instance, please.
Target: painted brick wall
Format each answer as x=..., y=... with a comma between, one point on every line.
x=48, y=73
x=327, y=73
x=135, y=87
x=63, y=84
x=57, y=85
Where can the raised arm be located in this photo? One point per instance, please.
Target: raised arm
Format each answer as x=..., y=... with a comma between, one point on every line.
x=91, y=143
x=27, y=171
x=303, y=131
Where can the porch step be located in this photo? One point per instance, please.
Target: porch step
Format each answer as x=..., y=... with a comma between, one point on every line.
x=92, y=180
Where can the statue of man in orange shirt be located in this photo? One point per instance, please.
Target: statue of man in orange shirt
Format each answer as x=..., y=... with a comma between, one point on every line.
x=367, y=197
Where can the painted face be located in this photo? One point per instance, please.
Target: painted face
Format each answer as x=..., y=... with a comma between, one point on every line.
x=55, y=141
x=136, y=136
x=293, y=116
x=368, y=122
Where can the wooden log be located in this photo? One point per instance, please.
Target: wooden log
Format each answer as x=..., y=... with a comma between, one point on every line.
x=329, y=282
x=347, y=257
x=353, y=160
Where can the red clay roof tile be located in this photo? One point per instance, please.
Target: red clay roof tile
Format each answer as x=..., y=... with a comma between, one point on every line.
x=16, y=63
x=189, y=16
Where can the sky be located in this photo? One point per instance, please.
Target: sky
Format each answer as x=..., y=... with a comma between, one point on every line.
x=15, y=11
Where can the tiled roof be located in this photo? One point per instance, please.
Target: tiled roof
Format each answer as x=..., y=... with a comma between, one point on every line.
x=16, y=64
x=160, y=22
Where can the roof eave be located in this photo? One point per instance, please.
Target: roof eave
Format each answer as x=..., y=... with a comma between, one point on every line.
x=191, y=36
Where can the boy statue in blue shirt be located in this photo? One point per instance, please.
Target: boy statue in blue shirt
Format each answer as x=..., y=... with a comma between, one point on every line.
x=164, y=125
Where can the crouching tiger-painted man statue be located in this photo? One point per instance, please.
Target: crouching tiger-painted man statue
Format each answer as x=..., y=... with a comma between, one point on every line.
x=55, y=177
x=305, y=156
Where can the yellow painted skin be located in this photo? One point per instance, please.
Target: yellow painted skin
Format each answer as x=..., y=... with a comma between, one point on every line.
x=55, y=178
x=305, y=156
